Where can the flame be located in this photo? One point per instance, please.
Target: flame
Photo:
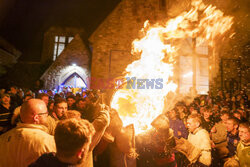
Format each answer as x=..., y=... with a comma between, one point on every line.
x=141, y=106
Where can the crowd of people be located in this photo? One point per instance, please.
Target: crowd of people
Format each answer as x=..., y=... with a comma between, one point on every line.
x=46, y=129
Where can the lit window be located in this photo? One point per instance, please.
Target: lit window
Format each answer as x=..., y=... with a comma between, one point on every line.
x=187, y=66
x=59, y=45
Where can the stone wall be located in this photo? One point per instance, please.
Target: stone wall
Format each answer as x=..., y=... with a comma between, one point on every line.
x=111, y=42
x=49, y=40
x=75, y=53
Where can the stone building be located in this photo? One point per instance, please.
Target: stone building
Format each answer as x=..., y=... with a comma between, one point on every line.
x=111, y=45
x=71, y=68
x=111, y=42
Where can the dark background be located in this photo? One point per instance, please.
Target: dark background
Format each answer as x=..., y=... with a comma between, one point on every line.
x=26, y=21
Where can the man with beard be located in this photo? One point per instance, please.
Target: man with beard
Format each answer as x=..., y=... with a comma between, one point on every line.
x=60, y=108
x=29, y=140
x=73, y=138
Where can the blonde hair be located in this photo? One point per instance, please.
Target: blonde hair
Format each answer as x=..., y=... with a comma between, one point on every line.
x=195, y=117
x=72, y=114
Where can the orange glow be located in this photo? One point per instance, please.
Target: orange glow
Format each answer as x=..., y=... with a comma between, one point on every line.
x=141, y=106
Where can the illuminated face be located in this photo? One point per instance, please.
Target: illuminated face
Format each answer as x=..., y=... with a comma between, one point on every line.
x=45, y=99
x=172, y=114
x=207, y=114
x=194, y=112
x=216, y=108
x=237, y=115
x=13, y=90
x=60, y=109
x=230, y=125
x=6, y=99
x=43, y=118
x=70, y=101
x=244, y=134
x=224, y=118
x=192, y=125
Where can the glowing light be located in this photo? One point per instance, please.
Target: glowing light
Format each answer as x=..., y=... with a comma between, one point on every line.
x=141, y=106
x=74, y=64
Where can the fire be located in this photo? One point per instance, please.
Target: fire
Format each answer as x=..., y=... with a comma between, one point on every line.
x=141, y=104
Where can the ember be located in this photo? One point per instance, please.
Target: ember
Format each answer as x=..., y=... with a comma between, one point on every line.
x=141, y=106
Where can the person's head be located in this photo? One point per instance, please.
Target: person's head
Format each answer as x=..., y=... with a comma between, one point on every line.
x=27, y=97
x=62, y=94
x=232, y=124
x=81, y=104
x=44, y=97
x=238, y=97
x=72, y=138
x=51, y=105
x=72, y=114
x=216, y=108
x=228, y=96
x=5, y=99
x=2, y=91
x=172, y=114
x=34, y=111
x=207, y=113
x=244, y=132
x=20, y=93
x=237, y=115
x=202, y=109
x=60, y=107
x=224, y=115
x=70, y=100
x=193, y=122
x=13, y=89
x=50, y=93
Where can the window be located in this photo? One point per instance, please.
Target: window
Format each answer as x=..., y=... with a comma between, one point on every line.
x=186, y=67
x=60, y=43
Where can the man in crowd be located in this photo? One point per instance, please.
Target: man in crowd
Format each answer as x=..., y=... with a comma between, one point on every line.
x=75, y=140
x=199, y=138
x=44, y=97
x=232, y=135
x=243, y=148
x=71, y=102
x=177, y=125
x=60, y=107
x=6, y=112
x=16, y=115
x=15, y=98
x=206, y=120
x=29, y=140
x=219, y=136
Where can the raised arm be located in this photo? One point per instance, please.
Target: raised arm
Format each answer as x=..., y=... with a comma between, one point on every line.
x=100, y=124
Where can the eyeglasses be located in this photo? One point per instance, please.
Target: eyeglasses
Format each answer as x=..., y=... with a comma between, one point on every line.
x=45, y=113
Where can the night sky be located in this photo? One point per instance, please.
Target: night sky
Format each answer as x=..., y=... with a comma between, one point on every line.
x=27, y=21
